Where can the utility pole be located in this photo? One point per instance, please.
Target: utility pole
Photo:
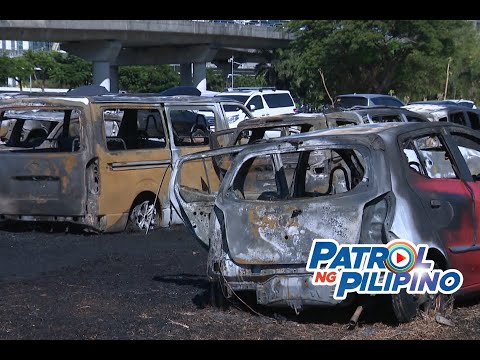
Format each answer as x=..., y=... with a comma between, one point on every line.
x=446, y=82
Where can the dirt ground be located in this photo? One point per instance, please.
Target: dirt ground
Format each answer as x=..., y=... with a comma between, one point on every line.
x=55, y=285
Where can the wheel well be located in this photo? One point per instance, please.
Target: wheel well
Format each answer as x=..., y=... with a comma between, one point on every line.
x=143, y=196
x=436, y=256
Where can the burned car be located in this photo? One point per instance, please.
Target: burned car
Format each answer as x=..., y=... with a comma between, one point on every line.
x=447, y=111
x=374, y=115
x=365, y=184
x=67, y=157
x=268, y=127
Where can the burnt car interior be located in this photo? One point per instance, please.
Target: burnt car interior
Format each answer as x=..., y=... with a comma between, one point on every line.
x=190, y=128
x=469, y=147
x=428, y=156
x=299, y=174
x=236, y=136
x=52, y=130
x=137, y=129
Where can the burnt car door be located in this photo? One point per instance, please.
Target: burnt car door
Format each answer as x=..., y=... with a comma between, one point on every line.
x=438, y=179
x=195, y=194
x=132, y=161
x=468, y=145
x=222, y=138
x=275, y=201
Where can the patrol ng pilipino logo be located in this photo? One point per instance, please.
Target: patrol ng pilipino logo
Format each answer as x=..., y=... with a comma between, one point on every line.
x=378, y=269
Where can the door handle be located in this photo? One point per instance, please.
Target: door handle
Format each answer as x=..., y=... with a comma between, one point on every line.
x=435, y=204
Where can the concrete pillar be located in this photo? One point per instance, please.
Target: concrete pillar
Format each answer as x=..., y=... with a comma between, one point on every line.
x=200, y=75
x=101, y=74
x=186, y=74
x=114, y=78
x=102, y=53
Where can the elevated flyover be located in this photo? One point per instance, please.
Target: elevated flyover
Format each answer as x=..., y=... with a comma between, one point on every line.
x=110, y=43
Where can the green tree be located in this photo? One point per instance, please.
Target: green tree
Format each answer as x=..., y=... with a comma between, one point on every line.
x=406, y=57
x=147, y=78
x=5, y=67
x=215, y=80
x=70, y=71
x=21, y=69
x=465, y=67
x=44, y=63
x=249, y=81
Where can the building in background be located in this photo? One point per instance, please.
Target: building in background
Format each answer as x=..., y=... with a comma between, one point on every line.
x=17, y=48
x=14, y=48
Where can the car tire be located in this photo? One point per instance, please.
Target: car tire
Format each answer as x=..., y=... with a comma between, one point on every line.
x=407, y=306
x=140, y=217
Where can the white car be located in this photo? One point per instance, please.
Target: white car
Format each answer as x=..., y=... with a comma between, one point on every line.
x=260, y=102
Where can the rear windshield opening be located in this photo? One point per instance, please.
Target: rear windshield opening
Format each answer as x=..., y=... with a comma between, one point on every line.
x=40, y=129
x=302, y=174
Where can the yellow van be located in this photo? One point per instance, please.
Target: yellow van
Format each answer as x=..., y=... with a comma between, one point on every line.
x=100, y=161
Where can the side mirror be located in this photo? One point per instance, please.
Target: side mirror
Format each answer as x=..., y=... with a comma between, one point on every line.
x=252, y=107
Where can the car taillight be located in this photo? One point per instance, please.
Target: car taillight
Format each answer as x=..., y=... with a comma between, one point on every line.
x=376, y=220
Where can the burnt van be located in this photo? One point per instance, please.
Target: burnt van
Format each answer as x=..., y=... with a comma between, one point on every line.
x=103, y=162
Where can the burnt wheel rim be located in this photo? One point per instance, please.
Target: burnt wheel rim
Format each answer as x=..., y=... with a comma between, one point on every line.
x=144, y=215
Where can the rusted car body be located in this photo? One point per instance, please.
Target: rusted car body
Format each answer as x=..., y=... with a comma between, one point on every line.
x=374, y=115
x=456, y=114
x=99, y=161
x=365, y=184
x=268, y=127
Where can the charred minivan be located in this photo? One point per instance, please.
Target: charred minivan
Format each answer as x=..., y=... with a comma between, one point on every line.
x=365, y=184
x=99, y=161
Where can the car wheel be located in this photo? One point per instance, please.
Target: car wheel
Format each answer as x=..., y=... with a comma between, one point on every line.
x=407, y=306
x=143, y=215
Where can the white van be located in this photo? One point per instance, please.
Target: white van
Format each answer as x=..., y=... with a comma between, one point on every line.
x=260, y=101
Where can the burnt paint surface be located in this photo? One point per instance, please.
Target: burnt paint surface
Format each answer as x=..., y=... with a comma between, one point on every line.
x=448, y=205
x=282, y=231
x=44, y=183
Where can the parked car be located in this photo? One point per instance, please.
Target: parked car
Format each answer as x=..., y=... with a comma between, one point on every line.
x=66, y=158
x=365, y=184
x=450, y=113
x=459, y=102
x=260, y=101
x=348, y=101
x=375, y=114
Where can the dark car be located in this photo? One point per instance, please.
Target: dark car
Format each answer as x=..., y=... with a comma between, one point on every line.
x=366, y=184
x=348, y=101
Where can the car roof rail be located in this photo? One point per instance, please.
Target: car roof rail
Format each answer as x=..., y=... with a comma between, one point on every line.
x=257, y=88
